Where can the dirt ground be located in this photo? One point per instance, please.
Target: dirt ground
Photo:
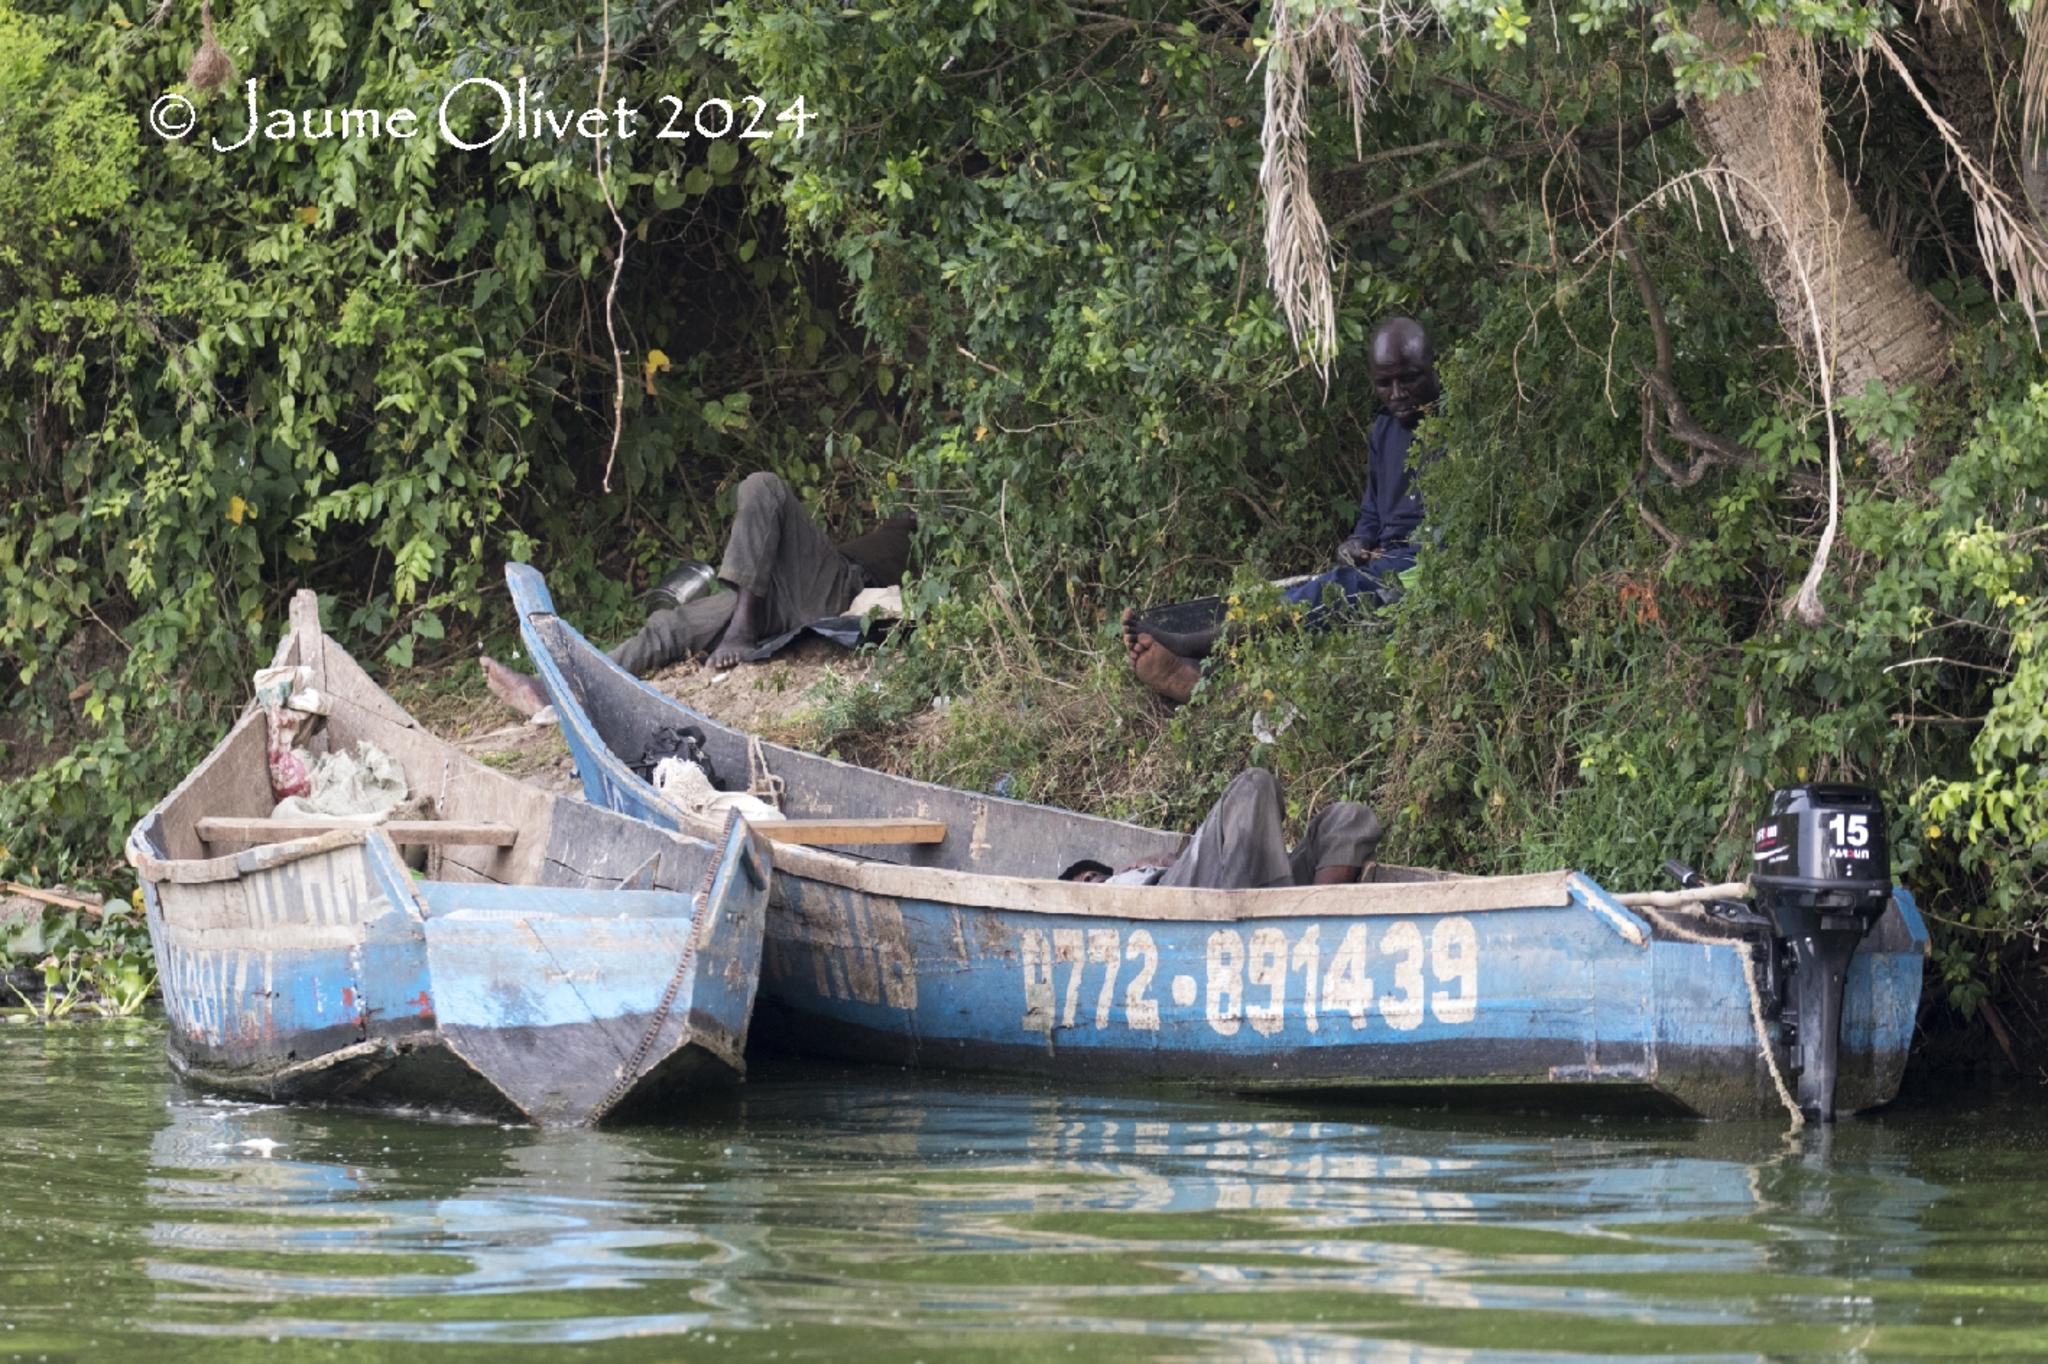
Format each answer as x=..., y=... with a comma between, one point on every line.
x=764, y=698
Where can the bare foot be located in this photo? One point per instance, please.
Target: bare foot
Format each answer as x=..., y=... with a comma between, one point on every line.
x=516, y=690
x=1188, y=644
x=731, y=652
x=1163, y=670
x=740, y=640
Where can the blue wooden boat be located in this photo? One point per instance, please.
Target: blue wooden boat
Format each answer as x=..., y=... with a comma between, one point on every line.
x=967, y=953
x=550, y=960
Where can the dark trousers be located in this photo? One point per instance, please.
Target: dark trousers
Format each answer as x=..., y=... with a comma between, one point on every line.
x=1239, y=845
x=777, y=552
x=1362, y=588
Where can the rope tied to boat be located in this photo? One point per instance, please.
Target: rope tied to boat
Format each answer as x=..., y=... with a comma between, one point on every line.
x=760, y=781
x=1673, y=899
x=1740, y=947
x=632, y=1071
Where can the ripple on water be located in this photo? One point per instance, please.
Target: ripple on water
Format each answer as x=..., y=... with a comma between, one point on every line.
x=823, y=1212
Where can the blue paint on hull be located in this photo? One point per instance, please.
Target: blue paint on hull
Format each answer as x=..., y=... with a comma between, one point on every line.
x=1543, y=994
x=518, y=981
x=340, y=983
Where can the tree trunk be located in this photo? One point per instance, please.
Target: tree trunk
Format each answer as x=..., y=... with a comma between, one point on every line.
x=1796, y=208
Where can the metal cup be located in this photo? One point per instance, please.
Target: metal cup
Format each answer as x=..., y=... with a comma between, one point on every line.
x=681, y=585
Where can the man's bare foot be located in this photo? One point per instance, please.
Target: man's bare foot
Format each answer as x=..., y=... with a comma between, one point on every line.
x=740, y=640
x=516, y=690
x=1163, y=670
x=731, y=651
x=1188, y=644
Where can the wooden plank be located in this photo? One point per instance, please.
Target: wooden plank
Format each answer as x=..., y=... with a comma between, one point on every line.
x=815, y=832
x=435, y=832
x=51, y=897
x=234, y=779
x=199, y=871
x=305, y=623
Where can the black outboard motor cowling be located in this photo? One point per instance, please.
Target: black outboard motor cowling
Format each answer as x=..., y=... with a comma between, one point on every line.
x=1821, y=869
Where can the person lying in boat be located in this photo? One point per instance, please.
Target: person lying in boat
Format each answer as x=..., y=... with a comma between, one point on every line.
x=785, y=574
x=1240, y=846
x=1381, y=543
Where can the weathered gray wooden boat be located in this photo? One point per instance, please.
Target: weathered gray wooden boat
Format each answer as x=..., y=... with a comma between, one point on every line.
x=552, y=960
x=963, y=950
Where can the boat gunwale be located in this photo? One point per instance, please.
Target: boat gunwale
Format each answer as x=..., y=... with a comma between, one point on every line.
x=1459, y=894
x=195, y=871
x=138, y=847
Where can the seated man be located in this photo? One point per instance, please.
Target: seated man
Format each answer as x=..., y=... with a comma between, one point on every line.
x=1380, y=545
x=1239, y=845
x=784, y=572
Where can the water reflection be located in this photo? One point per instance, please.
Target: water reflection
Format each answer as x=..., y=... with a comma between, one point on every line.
x=827, y=1213
x=820, y=1206
x=431, y=1228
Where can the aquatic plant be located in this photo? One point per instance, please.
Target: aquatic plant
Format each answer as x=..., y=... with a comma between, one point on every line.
x=65, y=963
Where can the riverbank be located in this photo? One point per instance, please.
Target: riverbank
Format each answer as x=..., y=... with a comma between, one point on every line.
x=779, y=700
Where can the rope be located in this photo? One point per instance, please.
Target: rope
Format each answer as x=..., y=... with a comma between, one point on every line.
x=1756, y=999
x=632, y=1072
x=1672, y=899
x=760, y=781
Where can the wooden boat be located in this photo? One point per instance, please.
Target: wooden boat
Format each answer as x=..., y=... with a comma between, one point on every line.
x=556, y=961
x=953, y=946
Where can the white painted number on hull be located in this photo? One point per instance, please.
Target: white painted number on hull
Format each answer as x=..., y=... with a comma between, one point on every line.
x=1261, y=979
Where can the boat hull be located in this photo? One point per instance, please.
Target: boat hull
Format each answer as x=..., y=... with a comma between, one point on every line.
x=328, y=976
x=1540, y=984
x=1539, y=995
x=594, y=967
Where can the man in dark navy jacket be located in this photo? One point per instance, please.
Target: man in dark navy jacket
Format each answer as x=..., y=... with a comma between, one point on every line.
x=1381, y=543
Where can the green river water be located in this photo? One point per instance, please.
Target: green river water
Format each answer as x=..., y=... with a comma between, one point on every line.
x=831, y=1214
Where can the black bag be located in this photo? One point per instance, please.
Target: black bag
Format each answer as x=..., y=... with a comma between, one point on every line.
x=675, y=741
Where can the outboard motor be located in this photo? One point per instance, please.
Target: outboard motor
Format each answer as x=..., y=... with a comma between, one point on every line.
x=1821, y=870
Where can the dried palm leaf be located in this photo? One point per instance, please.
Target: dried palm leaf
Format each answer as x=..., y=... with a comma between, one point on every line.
x=1306, y=37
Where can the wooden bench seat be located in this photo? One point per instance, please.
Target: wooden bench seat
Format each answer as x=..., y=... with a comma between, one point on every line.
x=830, y=832
x=435, y=832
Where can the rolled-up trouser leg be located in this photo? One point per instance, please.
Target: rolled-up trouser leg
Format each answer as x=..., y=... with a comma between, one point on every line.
x=1359, y=586
x=778, y=553
x=1346, y=834
x=1240, y=845
x=675, y=634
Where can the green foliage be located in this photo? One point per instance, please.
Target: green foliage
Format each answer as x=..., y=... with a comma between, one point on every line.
x=73, y=964
x=1591, y=666
x=375, y=364
x=1960, y=586
x=1050, y=220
